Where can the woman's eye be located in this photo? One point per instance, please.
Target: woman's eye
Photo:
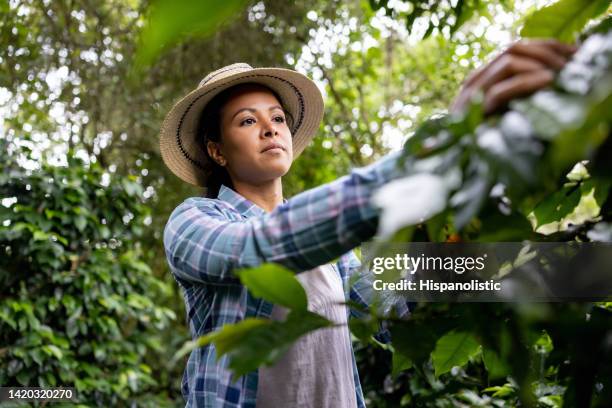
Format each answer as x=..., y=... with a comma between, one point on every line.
x=248, y=121
x=279, y=119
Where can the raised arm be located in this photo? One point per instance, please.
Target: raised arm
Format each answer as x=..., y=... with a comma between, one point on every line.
x=323, y=223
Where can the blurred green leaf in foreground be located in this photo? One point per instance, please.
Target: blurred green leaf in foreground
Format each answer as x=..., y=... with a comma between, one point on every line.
x=170, y=22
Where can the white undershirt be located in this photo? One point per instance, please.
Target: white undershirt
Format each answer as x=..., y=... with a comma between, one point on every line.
x=317, y=371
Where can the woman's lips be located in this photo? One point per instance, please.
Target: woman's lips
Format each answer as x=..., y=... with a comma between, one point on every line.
x=273, y=147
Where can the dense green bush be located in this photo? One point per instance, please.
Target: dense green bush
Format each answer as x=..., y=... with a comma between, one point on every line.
x=77, y=303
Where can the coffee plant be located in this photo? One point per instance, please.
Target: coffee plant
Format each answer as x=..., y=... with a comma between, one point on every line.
x=540, y=171
x=76, y=304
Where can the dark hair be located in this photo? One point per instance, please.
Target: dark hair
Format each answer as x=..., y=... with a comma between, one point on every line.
x=209, y=129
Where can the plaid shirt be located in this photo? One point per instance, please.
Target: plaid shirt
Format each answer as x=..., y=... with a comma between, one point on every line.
x=207, y=239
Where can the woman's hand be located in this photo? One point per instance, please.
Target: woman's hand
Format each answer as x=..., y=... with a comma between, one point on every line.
x=525, y=67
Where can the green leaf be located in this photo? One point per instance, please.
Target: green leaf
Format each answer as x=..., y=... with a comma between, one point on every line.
x=253, y=342
x=37, y=356
x=230, y=337
x=52, y=350
x=439, y=227
x=40, y=236
x=364, y=328
x=267, y=343
x=169, y=22
x=588, y=133
x=453, y=349
x=275, y=284
x=400, y=362
x=563, y=20
x=80, y=222
x=554, y=401
x=599, y=187
x=71, y=328
x=416, y=340
x=226, y=333
x=415, y=145
x=543, y=344
x=505, y=228
x=496, y=367
x=501, y=391
x=50, y=378
x=556, y=206
x=131, y=187
x=6, y=317
x=463, y=14
x=23, y=378
x=468, y=200
x=602, y=27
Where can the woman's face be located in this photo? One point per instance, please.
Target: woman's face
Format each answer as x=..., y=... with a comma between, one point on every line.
x=256, y=144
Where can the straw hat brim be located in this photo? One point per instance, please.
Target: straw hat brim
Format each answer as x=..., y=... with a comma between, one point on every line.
x=186, y=158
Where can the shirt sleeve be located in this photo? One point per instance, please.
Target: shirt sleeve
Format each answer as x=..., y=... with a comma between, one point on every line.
x=308, y=230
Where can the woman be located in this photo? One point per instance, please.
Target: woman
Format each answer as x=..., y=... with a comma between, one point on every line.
x=237, y=135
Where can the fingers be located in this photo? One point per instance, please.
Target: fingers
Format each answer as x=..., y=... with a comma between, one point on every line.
x=550, y=54
x=523, y=68
x=503, y=68
x=519, y=85
x=506, y=67
x=566, y=49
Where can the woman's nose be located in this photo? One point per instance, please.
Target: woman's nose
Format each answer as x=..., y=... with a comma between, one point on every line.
x=269, y=129
x=270, y=133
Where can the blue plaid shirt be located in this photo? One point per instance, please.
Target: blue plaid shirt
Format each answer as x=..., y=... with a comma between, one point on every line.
x=207, y=239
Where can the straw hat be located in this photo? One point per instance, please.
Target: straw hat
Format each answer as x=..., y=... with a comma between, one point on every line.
x=187, y=159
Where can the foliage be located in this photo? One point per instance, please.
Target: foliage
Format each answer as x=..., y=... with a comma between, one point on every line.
x=438, y=15
x=564, y=19
x=76, y=304
x=453, y=349
x=168, y=21
x=504, y=171
x=521, y=155
x=65, y=90
x=253, y=342
x=542, y=353
x=379, y=86
x=275, y=285
x=511, y=150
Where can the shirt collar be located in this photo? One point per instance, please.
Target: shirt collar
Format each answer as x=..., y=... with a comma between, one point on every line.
x=245, y=207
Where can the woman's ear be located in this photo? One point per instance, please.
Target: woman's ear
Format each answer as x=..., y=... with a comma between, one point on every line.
x=214, y=151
